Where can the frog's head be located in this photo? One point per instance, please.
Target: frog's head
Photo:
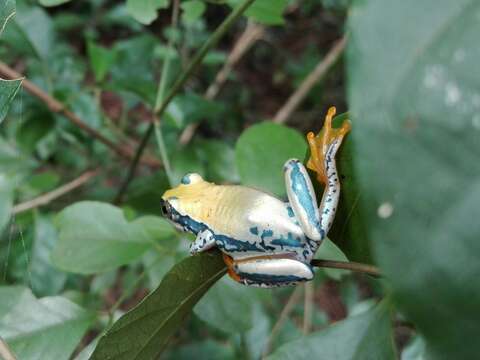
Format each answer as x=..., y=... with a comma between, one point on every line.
x=184, y=205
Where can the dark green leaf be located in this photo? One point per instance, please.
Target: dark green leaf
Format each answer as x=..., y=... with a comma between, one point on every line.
x=47, y=328
x=36, y=27
x=329, y=251
x=52, y=2
x=101, y=59
x=190, y=108
x=265, y=11
x=145, y=11
x=185, y=161
x=8, y=89
x=96, y=237
x=415, y=93
x=219, y=159
x=215, y=308
x=415, y=349
x=207, y=349
x=143, y=332
x=192, y=10
x=45, y=279
x=367, y=336
x=261, y=152
x=6, y=200
x=7, y=11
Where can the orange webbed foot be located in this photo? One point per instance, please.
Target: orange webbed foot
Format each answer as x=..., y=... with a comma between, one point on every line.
x=320, y=143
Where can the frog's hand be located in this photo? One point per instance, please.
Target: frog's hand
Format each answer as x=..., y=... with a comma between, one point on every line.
x=205, y=240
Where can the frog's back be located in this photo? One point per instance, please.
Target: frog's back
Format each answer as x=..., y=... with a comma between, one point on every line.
x=263, y=222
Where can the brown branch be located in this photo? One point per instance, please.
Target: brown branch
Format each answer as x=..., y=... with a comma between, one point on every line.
x=286, y=311
x=308, y=307
x=347, y=265
x=5, y=352
x=57, y=107
x=178, y=85
x=253, y=32
x=314, y=77
x=52, y=195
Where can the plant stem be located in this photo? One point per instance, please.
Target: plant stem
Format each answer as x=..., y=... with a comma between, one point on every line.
x=57, y=107
x=348, y=265
x=308, y=306
x=46, y=198
x=287, y=309
x=313, y=78
x=161, y=94
x=181, y=80
x=5, y=352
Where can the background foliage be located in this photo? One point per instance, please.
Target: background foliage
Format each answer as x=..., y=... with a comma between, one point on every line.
x=97, y=274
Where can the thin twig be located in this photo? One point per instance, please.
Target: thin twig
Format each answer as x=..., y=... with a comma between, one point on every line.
x=347, y=265
x=177, y=86
x=308, y=307
x=57, y=107
x=5, y=352
x=162, y=85
x=314, y=77
x=52, y=195
x=287, y=309
x=253, y=32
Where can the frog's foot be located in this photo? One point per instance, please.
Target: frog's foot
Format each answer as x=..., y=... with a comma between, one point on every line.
x=230, y=267
x=325, y=144
x=269, y=271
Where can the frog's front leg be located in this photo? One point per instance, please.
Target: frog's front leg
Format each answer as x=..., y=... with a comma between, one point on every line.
x=205, y=240
x=268, y=270
x=316, y=222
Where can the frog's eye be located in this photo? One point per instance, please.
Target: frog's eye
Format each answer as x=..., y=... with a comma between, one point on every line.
x=191, y=178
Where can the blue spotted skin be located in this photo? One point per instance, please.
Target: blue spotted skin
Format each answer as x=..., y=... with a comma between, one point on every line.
x=271, y=242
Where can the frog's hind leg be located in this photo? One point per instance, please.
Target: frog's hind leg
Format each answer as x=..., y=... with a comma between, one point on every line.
x=316, y=222
x=270, y=271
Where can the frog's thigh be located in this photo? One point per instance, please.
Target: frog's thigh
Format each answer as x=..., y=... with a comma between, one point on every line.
x=302, y=198
x=270, y=272
x=204, y=241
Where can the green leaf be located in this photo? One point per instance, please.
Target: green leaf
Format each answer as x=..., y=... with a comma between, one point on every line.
x=348, y=230
x=414, y=93
x=95, y=237
x=189, y=108
x=6, y=200
x=101, y=59
x=46, y=328
x=192, y=10
x=145, y=11
x=215, y=308
x=37, y=29
x=185, y=161
x=367, y=336
x=202, y=349
x=269, y=12
x=7, y=11
x=45, y=279
x=414, y=350
x=219, y=159
x=52, y=2
x=143, y=332
x=8, y=90
x=329, y=251
x=261, y=152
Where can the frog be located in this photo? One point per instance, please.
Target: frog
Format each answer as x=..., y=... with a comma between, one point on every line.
x=265, y=241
